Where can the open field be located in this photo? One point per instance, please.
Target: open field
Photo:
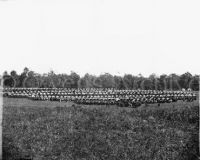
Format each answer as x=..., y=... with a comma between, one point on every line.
x=53, y=130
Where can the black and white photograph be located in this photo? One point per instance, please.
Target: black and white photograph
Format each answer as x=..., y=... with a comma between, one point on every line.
x=99, y=79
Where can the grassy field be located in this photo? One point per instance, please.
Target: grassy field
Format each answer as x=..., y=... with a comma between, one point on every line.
x=65, y=131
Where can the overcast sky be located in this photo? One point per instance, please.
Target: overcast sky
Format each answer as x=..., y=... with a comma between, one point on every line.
x=97, y=36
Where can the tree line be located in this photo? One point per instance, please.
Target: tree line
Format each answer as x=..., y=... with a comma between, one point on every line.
x=31, y=79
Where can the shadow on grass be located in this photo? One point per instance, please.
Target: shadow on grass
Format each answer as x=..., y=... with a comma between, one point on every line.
x=191, y=150
x=12, y=152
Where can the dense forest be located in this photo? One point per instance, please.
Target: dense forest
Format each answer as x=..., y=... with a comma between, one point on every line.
x=31, y=79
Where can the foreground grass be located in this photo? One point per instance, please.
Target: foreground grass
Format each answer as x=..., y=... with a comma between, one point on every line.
x=103, y=132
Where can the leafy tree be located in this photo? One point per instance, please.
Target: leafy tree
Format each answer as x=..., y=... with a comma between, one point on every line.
x=107, y=80
x=194, y=83
x=146, y=84
x=128, y=81
x=154, y=81
x=185, y=80
x=119, y=83
x=31, y=82
x=89, y=81
x=163, y=82
x=75, y=79
x=5, y=73
x=174, y=79
x=23, y=76
x=8, y=81
x=16, y=78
